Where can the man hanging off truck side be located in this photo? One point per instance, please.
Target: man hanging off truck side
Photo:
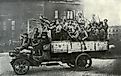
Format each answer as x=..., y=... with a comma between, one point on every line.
x=44, y=40
x=35, y=41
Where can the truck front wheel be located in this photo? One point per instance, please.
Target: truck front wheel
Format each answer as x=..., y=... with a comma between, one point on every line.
x=21, y=66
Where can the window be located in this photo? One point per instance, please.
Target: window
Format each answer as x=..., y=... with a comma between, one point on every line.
x=70, y=15
x=56, y=14
x=12, y=27
x=4, y=26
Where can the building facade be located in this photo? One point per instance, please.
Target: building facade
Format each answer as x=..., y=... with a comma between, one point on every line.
x=14, y=15
x=114, y=34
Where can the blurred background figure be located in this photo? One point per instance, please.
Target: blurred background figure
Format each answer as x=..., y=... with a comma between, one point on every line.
x=93, y=20
x=105, y=27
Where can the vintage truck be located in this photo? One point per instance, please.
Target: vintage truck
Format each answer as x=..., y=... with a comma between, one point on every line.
x=72, y=53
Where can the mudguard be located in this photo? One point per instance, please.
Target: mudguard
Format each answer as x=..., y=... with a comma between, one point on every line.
x=28, y=58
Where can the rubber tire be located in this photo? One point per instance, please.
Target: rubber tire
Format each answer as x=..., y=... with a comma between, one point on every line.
x=18, y=60
x=83, y=68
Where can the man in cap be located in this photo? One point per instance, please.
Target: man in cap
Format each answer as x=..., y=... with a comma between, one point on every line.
x=44, y=40
x=105, y=27
x=80, y=19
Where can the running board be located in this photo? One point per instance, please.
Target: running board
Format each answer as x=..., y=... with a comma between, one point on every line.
x=51, y=64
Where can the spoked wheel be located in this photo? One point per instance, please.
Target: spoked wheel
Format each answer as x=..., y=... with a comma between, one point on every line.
x=83, y=61
x=21, y=66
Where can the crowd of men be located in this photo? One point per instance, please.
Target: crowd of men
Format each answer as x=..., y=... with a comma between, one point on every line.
x=64, y=29
x=76, y=29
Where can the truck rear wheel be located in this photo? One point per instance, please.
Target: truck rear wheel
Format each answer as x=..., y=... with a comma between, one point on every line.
x=83, y=61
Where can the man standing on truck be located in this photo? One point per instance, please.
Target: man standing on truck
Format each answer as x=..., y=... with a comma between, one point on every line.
x=105, y=27
x=82, y=37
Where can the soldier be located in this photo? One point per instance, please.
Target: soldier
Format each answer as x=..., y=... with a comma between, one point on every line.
x=95, y=24
x=58, y=32
x=102, y=34
x=52, y=27
x=35, y=41
x=92, y=33
x=58, y=26
x=21, y=38
x=36, y=33
x=82, y=36
x=45, y=23
x=26, y=42
x=97, y=32
x=105, y=27
x=71, y=31
x=56, y=29
x=76, y=30
x=74, y=35
x=44, y=40
x=64, y=29
x=100, y=26
x=63, y=19
x=105, y=24
x=88, y=27
x=65, y=26
x=80, y=19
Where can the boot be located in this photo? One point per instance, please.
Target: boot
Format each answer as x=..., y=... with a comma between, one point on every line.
x=85, y=48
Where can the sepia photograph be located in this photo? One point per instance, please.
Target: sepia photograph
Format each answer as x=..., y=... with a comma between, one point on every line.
x=60, y=38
